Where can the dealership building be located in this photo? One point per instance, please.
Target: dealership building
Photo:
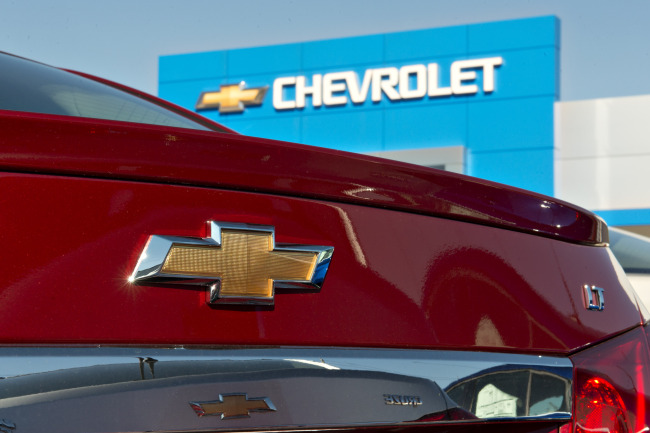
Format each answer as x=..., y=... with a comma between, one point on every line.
x=480, y=99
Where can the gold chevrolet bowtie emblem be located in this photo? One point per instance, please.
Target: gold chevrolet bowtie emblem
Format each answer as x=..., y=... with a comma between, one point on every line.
x=231, y=98
x=233, y=406
x=240, y=263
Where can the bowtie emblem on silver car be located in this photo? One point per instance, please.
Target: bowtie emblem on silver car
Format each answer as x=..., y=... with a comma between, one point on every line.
x=233, y=406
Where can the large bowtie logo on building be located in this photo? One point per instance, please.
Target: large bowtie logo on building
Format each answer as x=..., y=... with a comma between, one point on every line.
x=231, y=98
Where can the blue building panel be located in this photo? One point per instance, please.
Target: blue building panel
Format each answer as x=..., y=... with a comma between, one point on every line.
x=527, y=169
x=527, y=73
x=282, y=59
x=335, y=53
x=506, y=125
x=488, y=87
x=426, y=44
x=359, y=132
x=625, y=217
x=426, y=127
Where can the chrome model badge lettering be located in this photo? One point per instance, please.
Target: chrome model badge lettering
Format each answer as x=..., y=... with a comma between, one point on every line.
x=240, y=263
x=594, y=297
x=231, y=98
x=402, y=400
x=230, y=406
x=7, y=426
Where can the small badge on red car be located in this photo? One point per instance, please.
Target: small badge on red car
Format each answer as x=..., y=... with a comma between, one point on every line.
x=594, y=297
x=241, y=263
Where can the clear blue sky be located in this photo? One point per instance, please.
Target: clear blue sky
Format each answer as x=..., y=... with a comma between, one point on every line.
x=605, y=44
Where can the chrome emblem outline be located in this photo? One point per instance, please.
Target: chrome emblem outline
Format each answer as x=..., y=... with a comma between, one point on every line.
x=237, y=402
x=594, y=297
x=149, y=268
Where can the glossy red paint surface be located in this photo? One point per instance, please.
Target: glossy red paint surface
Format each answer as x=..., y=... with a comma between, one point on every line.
x=87, y=147
x=396, y=280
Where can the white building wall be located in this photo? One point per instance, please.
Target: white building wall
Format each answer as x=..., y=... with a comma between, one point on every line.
x=603, y=153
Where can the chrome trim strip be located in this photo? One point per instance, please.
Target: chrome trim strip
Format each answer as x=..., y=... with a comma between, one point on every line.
x=152, y=389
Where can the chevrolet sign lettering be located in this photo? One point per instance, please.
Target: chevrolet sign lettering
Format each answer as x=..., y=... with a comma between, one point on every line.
x=407, y=82
x=239, y=262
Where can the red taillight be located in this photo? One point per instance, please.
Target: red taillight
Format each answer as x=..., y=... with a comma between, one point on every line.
x=599, y=408
x=610, y=383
